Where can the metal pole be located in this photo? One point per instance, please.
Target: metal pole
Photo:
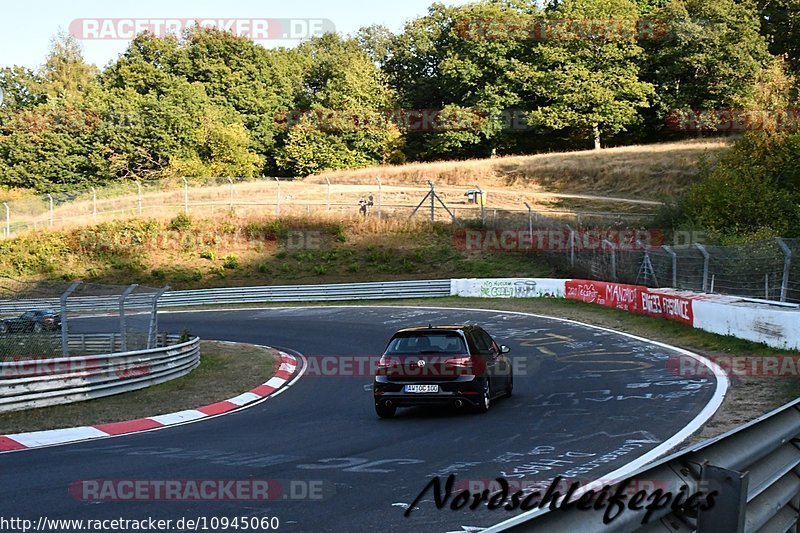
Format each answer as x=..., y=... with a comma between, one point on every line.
x=328, y=195
x=380, y=196
x=230, y=180
x=613, y=259
x=706, y=260
x=139, y=196
x=766, y=286
x=94, y=204
x=483, y=214
x=530, y=225
x=152, y=334
x=278, y=202
x=185, y=195
x=787, y=262
x=122, y=330
x=674, y=256
x=8, y=220
x=433, y=199
x=571, y=246
x=50, y=196
x=64, y=320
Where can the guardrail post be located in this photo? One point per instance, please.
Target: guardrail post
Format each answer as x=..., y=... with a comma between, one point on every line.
x=152, y=333
x=185, y=195
x=674, y=256
x=787, y=263
x=64, y=320
x=50, y=196
x=706, y=260
x=380, y=196
x=729, y=511
x=607, y=243
x=122, y=330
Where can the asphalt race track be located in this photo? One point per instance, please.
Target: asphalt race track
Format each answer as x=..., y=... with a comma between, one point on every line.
x=586, y=402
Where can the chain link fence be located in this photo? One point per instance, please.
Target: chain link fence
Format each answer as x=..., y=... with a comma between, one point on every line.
x=38, y=319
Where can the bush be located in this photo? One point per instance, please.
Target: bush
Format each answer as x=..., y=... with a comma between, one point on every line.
x=181, y=221
x=208, y=254
x=231, y=262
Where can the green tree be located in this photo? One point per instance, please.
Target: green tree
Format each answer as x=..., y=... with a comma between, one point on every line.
x=590, y=79
x=65, y=74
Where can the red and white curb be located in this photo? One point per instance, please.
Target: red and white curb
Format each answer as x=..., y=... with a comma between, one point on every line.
x=37, y=439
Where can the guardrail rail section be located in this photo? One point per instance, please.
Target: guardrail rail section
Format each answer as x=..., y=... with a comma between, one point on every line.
x=755, y=469
x=26, y=384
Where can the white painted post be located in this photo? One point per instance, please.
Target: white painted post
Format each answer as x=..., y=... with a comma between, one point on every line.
x=185, y=196
x=380, y=196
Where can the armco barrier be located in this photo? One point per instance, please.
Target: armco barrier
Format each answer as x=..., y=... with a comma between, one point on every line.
x=27, y=384
x=755, y=470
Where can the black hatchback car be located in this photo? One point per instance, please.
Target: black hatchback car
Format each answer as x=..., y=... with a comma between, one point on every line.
x=37, y=321
x=442, y=365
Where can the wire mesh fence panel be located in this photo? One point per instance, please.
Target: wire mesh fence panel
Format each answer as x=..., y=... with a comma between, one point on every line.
x=38, y=319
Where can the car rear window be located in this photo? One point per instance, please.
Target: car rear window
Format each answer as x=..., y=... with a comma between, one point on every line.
x=445, y=342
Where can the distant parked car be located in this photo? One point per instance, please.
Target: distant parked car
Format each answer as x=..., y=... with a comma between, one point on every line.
x=37, y=321
x=445, y=365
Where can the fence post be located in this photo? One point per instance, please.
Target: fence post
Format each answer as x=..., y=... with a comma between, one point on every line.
x=380, y=196
x=278, y=200
x=481, y=202
x=139, y=196
x=706, y=259
x=8, y=220
x=152, y=333
x=530, y=225
x=122, y=330
x=328, y=195
x=230, y=181
x=50, y=196
x=64, y=320
x=787, y=262
x=433, y=201
x=571, y=246
x=94, y=204
x=185, y=195
x=674, y=256
x=607, y=243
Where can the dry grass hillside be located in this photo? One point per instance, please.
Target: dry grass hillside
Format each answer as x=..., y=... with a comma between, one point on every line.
x=653, y=171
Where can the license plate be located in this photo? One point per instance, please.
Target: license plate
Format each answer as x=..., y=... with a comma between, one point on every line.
x=422, y=388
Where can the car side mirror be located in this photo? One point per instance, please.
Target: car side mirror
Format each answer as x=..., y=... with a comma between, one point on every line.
x=504, y=349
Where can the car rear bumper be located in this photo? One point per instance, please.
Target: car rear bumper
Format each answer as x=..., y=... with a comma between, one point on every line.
x=462, y=391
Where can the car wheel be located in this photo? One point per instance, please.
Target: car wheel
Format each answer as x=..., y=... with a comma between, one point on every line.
x=38, y=327
x=486, y=401
x=3, y=327
x=510, y=387
x=385, y=412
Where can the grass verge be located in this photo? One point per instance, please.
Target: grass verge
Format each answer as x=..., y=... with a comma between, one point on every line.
x=226, y=370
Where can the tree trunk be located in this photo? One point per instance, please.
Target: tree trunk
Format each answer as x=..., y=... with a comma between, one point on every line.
x=596, y=131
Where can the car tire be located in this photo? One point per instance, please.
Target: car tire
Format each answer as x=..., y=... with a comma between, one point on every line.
x=385, y=412
x=486, y=400
x=38, y=328
x=510, y=387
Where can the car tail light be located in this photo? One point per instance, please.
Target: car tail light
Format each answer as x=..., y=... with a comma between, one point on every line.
x=386, y=363
x=465, y=362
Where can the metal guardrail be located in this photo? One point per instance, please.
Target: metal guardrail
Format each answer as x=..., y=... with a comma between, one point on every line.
x=755, y=468
x=235, y=295
x=42, y=382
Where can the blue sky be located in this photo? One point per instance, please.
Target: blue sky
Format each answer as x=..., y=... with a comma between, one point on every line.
x=30, y=25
